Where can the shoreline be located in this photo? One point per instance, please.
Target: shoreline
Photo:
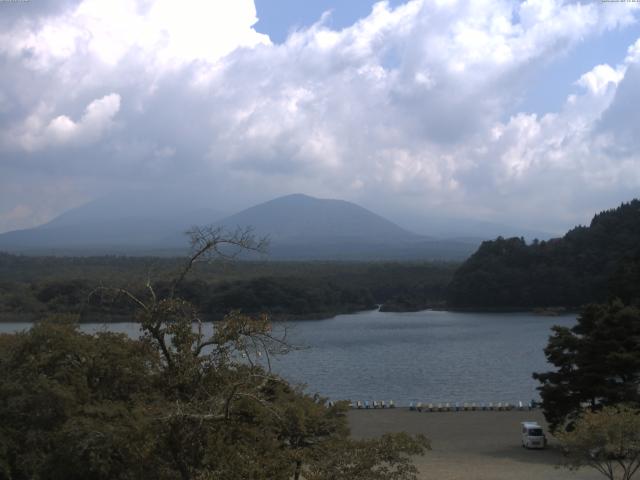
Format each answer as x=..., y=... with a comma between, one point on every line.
x=35, y=317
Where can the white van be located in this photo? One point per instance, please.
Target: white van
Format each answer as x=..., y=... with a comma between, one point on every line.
x=532, y=435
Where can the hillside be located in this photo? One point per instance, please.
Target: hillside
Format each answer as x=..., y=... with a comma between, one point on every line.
x=300, y=218
x=299, y=228
x=588, y=264
x=131, y=223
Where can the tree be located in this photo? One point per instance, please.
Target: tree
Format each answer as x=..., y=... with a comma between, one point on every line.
x=384, y=458
x=597, y=360
x=71, y=399
x=183, y=402
x=588, y=264
x=607, y=440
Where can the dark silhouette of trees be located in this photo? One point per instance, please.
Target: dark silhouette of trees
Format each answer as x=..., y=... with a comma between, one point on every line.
x=597, y=363
x=588, y=264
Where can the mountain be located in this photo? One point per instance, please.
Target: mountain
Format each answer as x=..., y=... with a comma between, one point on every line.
x=588, y=264
x=299, y=227
x=304, y=227
x=132, y=223
x=301, y=218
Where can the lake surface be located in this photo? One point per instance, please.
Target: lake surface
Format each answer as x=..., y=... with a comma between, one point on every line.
x=423, y=356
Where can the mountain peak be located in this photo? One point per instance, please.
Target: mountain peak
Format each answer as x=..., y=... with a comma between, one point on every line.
x=299, y=226
x=301, y=217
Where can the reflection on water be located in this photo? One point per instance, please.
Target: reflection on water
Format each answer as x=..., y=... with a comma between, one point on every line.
x=423, y=356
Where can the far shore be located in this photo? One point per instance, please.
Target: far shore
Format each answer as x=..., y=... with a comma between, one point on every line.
x=476, y=445
x=10, y=317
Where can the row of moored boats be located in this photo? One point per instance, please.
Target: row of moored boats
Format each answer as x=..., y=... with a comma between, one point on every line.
x=466, y=407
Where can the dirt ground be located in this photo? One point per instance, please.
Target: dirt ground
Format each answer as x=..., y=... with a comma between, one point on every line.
x=471, y=445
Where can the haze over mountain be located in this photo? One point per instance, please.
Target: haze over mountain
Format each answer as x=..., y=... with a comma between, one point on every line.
x=299, y=227
x=304, y=227
x=437, y=225
x=301, y=218
x=130, y=223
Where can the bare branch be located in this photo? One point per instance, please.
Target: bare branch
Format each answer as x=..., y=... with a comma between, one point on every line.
x=122, y=291
x=210, y=241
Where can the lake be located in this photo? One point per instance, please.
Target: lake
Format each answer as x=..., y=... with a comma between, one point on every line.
x=430, y=356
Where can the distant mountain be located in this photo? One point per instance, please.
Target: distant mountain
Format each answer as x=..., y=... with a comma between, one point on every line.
x=299, y=228
x=304, y=227
x=588, y=264
x=472, y=229
x=301, y=218
x=124, y=224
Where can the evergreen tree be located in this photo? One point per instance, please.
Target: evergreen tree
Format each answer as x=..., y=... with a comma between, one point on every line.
x=597, y=363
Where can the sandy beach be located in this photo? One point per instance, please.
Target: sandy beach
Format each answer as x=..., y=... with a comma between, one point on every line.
x=471, y=445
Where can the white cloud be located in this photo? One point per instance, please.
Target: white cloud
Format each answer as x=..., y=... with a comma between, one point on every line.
x=633, y=53
x=36, y=133
x=410, y=108
x=166, y=33
x=600, y=78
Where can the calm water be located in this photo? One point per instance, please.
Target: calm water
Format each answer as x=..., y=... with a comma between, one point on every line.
x=423, y=356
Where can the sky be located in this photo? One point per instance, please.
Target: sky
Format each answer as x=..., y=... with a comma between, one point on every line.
x=515, y=112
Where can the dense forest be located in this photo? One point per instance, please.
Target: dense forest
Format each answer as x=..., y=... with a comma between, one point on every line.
x=32, y=286
x=589, y=264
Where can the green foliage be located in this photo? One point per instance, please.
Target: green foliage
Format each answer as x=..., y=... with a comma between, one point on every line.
x=66, y=396
x=290, y=296
x=589, y=264
x=31, y=286
x=597, y=362
x=385, y=458
x=607, y=440
x=178, y=403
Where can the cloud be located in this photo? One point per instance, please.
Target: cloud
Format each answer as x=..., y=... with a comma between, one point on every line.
x=412, y=108
x=36, y=133
x=600, y=78
x=165, y=32
x=633, y=53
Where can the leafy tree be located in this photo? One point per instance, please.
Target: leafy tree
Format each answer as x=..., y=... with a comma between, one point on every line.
x=607, y=440
x=70, y=399
x=384, y=458
x=183, y=402
x=597, y=361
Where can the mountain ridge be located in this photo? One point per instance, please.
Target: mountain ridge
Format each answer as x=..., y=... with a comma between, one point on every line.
x=299, y=226
x=308, y=218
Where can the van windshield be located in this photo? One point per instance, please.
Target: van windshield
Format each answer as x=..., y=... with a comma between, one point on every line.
x=535, y=432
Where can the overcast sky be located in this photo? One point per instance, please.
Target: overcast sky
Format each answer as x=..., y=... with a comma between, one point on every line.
x=518, y=112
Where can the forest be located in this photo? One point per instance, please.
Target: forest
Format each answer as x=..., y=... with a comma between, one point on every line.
x=32, y=286
x=589, y=264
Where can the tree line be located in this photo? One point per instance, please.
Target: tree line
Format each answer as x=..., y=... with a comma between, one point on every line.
x=32, y=286
x=589, y=264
